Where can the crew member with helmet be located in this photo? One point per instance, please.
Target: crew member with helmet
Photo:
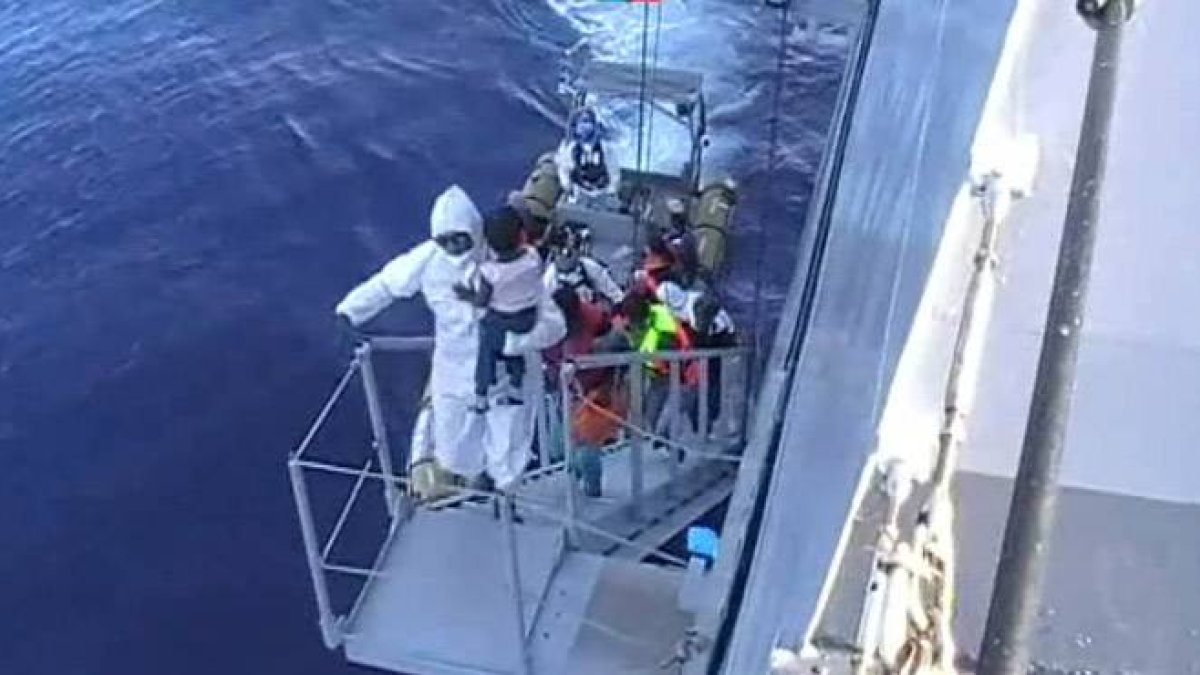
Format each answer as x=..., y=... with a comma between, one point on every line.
x=575, y=269
x=682, y=242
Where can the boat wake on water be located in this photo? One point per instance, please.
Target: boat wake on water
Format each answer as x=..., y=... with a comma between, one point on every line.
x=595, y=472
x=733, y=45
x=697, y=36
x=188, y=187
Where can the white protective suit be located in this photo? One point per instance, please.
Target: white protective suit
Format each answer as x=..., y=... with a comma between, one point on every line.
x=464, y=442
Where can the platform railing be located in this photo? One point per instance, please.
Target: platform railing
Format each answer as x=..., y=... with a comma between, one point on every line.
x=319, y=549
x=678, y=409
x=659, y=407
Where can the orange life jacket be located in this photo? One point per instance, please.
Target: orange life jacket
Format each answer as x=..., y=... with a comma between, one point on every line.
x=598, y=418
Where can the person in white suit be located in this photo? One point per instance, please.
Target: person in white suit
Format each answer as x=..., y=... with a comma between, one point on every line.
x=468, y=445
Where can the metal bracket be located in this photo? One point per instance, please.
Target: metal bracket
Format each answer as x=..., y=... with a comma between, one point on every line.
x=1101, y=14
x=1011, y=163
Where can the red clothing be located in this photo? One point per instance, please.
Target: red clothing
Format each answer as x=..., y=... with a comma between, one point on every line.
x=654, y=267
x=592, y=322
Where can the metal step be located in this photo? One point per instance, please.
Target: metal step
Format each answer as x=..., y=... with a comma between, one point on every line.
x=672, y=498
x=672, y=522
x=605, y=616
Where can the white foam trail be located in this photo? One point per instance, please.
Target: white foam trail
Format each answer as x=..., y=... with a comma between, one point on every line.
x=299, y=131
x=694, y=36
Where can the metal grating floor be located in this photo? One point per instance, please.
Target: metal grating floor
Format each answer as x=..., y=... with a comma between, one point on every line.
x=443, y=601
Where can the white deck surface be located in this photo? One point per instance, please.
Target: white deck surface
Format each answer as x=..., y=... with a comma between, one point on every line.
x=444, y=604
x=444, y=599
x=1126, y=551
x=1134, y=420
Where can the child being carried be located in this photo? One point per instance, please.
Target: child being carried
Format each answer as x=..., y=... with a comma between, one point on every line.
x=509, y=287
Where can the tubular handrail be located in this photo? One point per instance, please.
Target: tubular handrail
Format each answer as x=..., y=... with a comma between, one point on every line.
x=412, y=343
x=330, y=402
x=341, y=521
x=379, y=435
x=401, y=343
x=352, y=615
x=612, y=359
x=352, y=570
x=650, y=435
x=540, y=508
x=560, y=404
x=330, y=467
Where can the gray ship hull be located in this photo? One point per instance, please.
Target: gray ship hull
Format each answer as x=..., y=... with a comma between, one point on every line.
x=869, y=385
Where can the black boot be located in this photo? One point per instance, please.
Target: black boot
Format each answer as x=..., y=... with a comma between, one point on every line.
x=512, y=511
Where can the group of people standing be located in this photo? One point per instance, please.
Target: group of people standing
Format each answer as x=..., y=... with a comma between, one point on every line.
x=506, y=290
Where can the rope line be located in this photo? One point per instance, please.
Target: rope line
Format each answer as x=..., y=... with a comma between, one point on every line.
x=641, y=127
x=642, y=65
x=652, y=436
x=929, y=556
x=772, y=174
x=653, y=80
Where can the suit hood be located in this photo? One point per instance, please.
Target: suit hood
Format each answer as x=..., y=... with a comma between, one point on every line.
x=453, y=211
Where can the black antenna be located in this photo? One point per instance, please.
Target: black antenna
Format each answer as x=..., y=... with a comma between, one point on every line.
x=1017, y=593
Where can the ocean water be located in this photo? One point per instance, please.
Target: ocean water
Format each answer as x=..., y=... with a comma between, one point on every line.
x=186, y=189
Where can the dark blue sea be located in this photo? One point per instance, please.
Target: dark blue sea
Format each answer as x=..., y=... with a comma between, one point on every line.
x=186, y=189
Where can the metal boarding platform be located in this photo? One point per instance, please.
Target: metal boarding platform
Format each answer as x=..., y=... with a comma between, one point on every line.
x=540, y=579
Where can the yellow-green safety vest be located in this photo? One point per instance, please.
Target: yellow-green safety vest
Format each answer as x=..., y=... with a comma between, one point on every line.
x=660, y=326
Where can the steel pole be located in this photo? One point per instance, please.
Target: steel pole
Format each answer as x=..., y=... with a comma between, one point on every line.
x=1019, y=577
x=505, y=500
x=637, y=439
x=330, y=628
x=379, y=432
x=671, y=430
x=572, y=464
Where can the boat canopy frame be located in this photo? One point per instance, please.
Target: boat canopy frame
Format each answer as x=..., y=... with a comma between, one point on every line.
x=675, y=92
